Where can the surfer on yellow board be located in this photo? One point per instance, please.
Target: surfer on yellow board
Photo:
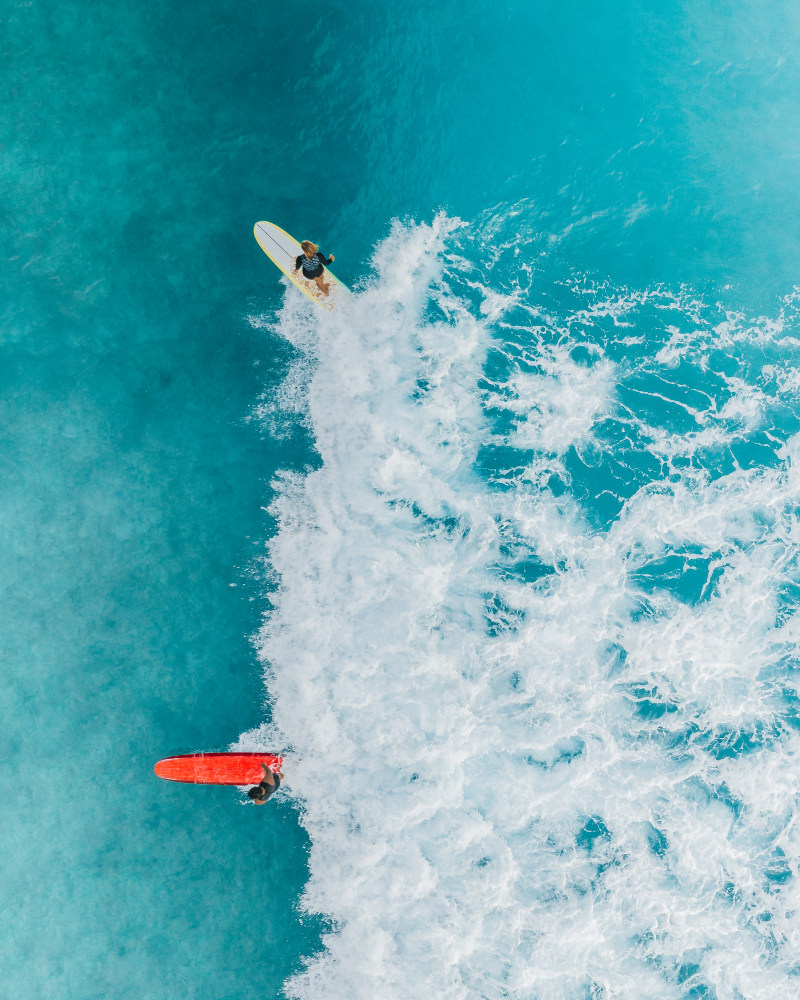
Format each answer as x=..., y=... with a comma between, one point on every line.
x=313, y=264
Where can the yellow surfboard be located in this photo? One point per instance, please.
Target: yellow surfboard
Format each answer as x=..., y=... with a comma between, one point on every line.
x=283, y=250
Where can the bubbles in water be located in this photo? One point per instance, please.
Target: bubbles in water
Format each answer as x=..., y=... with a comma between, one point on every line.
x=533, y=643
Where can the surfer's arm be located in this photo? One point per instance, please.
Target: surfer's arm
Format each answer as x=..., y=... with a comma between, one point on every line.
x=297, y=263
x=330, y=259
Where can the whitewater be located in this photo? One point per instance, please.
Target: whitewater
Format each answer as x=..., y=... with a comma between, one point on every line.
x=532, y=629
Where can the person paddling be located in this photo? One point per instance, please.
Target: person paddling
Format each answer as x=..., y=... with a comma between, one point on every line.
x=313, y=264
x=271, y=783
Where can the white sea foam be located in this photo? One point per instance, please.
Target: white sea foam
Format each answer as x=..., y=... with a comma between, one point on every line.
x=531, y=763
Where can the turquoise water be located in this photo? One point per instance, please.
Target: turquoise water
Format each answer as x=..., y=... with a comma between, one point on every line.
x=504, y=553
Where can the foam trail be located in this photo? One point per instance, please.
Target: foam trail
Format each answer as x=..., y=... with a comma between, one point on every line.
x=533, y=639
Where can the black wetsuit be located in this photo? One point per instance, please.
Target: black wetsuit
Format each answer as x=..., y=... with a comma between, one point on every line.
x=270, y=789
x=312, y=268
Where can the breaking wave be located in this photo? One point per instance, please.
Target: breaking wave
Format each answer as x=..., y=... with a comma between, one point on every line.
x=532, y=633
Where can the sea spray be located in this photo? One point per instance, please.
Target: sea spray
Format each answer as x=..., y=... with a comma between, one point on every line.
x=532, y=637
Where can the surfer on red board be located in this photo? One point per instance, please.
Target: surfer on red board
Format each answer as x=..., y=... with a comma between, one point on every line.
x=271, y=783
x=313, y=264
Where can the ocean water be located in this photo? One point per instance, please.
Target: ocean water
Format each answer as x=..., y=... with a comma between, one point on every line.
x=503, y=553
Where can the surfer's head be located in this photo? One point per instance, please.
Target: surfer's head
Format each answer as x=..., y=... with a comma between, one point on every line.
x=309, y=247
x=257, y=794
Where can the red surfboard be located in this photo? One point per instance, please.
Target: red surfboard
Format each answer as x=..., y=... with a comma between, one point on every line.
x=217, y=768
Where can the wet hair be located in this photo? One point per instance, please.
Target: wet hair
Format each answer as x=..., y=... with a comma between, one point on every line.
x=308, y=245
x=257, y=792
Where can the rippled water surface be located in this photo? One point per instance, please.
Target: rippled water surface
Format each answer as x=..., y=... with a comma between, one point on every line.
x=503, y=552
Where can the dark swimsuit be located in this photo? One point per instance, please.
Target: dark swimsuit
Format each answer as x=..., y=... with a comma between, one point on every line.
x=312, y=268
x=270, y=789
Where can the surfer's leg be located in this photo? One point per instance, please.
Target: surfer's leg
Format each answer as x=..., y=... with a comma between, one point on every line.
x=320, y=280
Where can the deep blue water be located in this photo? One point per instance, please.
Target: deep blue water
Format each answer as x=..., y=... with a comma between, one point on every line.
x=505, y=552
